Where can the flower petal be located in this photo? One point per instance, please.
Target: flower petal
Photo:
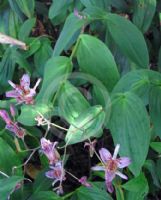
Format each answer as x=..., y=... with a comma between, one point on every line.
x=105, y=155
x=116, y=151
x=109, y=176
x=83, y=181
x=109, y=187
x=98, y=168
x=123, y=162
x=25, y=81
x=121, y=175
x=12, y=94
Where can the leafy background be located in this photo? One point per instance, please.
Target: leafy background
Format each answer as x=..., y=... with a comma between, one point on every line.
x=116, y=46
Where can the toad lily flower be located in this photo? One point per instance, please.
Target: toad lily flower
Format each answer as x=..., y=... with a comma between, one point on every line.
x=49, y=149
x=23, y=93
x=111, y=165
x=12, y=126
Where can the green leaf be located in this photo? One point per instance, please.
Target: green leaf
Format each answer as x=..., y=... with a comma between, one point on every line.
x=30, y=112
x=137, y=82
x=45, y=196
x=7, y=185
x=143, y=14
x=156, y=146
x=129, y=39
x=72, y=25
x=42, y=55
x=57, y=7
x=71, y=102
x=97, y=191
x=27, y=7
x=56, y=70
x=130, y=127
x=155, y=108
x=7, y=66
x=94, y=58
x=151, y=167
x=103, y=4
x=137, y=187
x=26, y=28
x=87, y=124
x=9, y=159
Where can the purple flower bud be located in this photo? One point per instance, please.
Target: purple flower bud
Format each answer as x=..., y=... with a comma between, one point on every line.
x=83, y=181
x=12, y=110
x=4, y=115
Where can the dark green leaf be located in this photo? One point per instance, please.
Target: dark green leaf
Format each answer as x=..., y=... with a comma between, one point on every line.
x=143, y=14
x=7, y=185
x=130, y=127
x=129, y=39
x=156, y=146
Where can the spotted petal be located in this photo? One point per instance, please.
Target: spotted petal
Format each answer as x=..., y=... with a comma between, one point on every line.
x=12, y=94
x=109, y=176
x=105, y=155
x=121, y=175
x=98, y=168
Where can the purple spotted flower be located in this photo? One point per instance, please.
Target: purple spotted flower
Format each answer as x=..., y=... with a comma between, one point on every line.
x=111, y=164
x=57, y=173
x=83, y=181
x=49, y=149
x=23, y=93
x=11, y=125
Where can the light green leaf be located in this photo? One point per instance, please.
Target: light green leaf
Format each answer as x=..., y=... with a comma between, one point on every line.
x=94, y=58
x=27, y=7
x=129, y=39
x=87, y=124
x=71, y=102
x=156, y=146
x=30, y=112
x=56, y=69
x=130, y=127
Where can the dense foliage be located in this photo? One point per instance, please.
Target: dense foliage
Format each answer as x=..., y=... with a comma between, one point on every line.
x=80, y=83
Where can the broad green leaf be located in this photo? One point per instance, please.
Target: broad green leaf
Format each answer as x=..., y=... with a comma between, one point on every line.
x=7, y=185
x=129, y=39
x=143, y=14
x=42, y=55
x=96, y=59
x=57, y=7
x=87, y=124
x=97, y=191
x=55, y=72
x=155, y=108
x=137, y=82
x=101, y=3
x=9, y=158
x=27, y=7
x=45, y=196
x=72, y=25
x=130, y=127
x=137, y=187
x=156, y=146
x=26, y=28
x=71, y=102
x=30, y=112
